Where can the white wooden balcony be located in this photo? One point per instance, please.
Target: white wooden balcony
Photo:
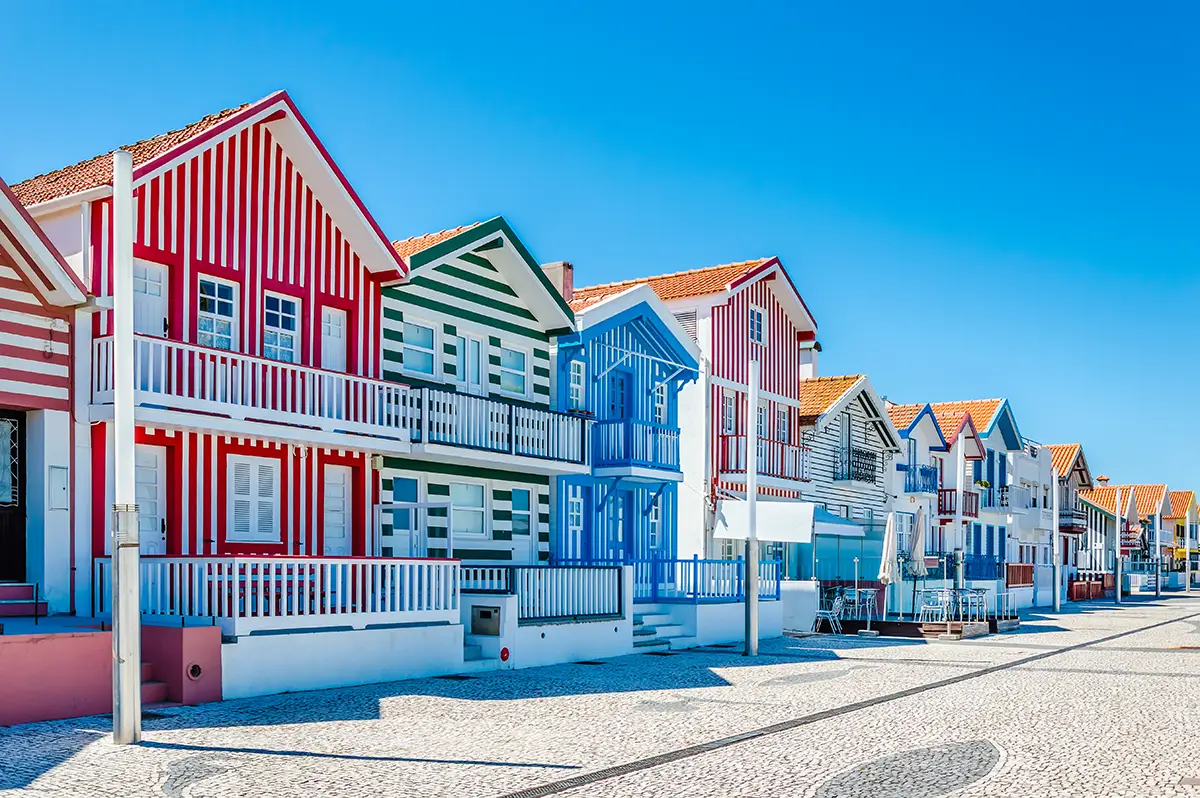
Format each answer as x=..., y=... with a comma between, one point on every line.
x=234, y=392
x=243, y=595
x=779, y=463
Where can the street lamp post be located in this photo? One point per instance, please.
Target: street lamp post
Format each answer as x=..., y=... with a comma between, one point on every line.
x=752, y=513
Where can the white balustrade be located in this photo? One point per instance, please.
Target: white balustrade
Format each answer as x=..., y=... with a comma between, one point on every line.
x=777, y=459
x=250, y=594
x=567, y=592
x=485, y=578
x=476, y=422
x=195, y=378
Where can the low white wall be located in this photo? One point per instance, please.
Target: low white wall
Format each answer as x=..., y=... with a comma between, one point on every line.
x=269, y=664
x=1174, y=581
x=548, y=644
x=798, y=602
x=490, y=646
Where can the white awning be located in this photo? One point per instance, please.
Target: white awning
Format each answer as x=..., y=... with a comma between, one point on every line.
x=781, y=522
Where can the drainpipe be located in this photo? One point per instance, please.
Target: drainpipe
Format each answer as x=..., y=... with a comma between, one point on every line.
x=126, y=616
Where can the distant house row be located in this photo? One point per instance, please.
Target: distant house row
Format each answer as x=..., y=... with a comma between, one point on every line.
x=361, y=458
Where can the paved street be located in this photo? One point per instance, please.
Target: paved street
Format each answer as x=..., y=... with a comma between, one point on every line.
x=1096, y=702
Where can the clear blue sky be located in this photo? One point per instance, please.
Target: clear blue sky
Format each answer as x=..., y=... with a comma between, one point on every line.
x=974, y=201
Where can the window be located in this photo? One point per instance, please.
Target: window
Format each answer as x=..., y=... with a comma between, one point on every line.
x=782, y=431
x=757, y=325
x=845, y=433
x=660, y=404
x=575, y=513
x=470, y=355
x=279, y=329
x=254, y=503
x=520, y=511
x=467, y=501
x=728, y=413
x=576, y=394
x=654, y=524
x=418, y=349
x=512, y=370
x=216, y=325
x=763, y=424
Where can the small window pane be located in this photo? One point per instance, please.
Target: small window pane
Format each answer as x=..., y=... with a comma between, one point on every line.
x=513, y=383
x=520, y=500
x=512, y=359
x=417, y=335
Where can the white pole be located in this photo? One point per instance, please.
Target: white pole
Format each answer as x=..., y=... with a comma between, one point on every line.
x=126, y=615
x=1117, y=546
x=1187, y=554
x=752, y=513
x=1158, y=571
x=1056, y=538
x=960, y=542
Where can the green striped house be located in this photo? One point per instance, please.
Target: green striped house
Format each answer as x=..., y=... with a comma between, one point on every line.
x=472, y=328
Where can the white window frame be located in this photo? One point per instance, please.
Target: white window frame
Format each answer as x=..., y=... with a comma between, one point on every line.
x=513, y=512
x=661, y=412
x=728, y=412
x=295, y=333
x=526, y=373
x=654, y=524
x=235, y=335
x=256, y=537
x=783, y=427
x=575, y=513
x=757, y=336
x=486, y=507
x=577, y=385
x=433, y=350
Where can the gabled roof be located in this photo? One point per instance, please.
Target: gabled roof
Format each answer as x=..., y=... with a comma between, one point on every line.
x=952, y=424
x=1151, y=499
x=26, y=246
x=1066, y=458
x=827, y=396
x=1104, y=498
x=1181, y=502
x=710, y=280
x=907, y=417
x=156, y=155
x=597, y=316
x=519, y=268
x=987, y=414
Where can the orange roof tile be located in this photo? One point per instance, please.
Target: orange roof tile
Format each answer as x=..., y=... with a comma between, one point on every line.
x=579, y=305
x=1149, y=498
x=407, y=247
x=1180, y=501
x=818, y=394
x=1104, y=497
x=97, y=171
x=679, y=285
x=902, y=415
x=1062, y=456
x=982, y=411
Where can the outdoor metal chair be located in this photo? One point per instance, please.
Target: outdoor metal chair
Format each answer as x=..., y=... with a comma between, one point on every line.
x=832, y=614
x=935, y=607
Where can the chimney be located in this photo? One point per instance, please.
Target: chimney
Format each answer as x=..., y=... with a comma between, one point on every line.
x=1102, y=480
x=561, y=275
x=808, y=360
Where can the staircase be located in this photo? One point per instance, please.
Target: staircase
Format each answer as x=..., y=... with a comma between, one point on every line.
x=654, y=631
x=17, y=601
x=474, y=661
x=154, y=693
x=1150, y=582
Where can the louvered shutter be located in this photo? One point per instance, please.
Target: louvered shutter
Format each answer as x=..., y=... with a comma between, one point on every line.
x=687, y=319
x=253, y=500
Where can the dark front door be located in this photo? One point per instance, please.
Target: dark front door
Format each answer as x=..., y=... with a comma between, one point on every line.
x=12, y=497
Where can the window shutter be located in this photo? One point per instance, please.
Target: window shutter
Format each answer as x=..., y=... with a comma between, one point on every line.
x=687, y=319
x=242, y=521
x=267, y=494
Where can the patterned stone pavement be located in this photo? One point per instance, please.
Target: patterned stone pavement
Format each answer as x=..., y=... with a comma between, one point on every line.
x=1117, y=717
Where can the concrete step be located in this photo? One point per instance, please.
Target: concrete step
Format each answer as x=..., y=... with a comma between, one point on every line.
x=147, y=671
x=651, y=618
x=153, y=692
x=16, y=591
x=645, y=631
x=21, y=608
x=472, y=652
x=681, y=642
x=669, y=630
x=652, y=643
x=481, y=665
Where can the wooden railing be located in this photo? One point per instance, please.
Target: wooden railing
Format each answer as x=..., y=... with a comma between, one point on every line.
x=567, y=592
x=921, y=479
x=698, y=581
x=251, y=594
x=495, y=425
x=948, y=502
x=625, y=442
x=1019, y=574
x=485, y=578
x=194, y=378
x=1072, y=519
x=776, y=459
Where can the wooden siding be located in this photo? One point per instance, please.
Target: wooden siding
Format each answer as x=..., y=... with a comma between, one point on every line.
x=35, y=346
x=824, y=442
x=498, y=543
x=599, y=540
x=240, y=210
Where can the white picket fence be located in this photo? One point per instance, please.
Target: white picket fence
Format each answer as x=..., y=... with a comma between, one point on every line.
x=251, y=594
x=567, y=592
x=477, y=422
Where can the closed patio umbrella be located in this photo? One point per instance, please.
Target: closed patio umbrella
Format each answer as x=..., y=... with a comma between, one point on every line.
x=916, y=554
x=887, y=565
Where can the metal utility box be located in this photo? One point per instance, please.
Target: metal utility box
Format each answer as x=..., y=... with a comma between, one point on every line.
x=485, y=621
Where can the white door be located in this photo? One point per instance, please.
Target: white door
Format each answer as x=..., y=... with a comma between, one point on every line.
x=471, y=364
x=150, y=491
x=149, y=298
x=333, y=339
x=337, y=511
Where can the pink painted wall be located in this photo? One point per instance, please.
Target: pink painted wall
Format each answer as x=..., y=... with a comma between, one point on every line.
x=173, y=651
x=55, y=676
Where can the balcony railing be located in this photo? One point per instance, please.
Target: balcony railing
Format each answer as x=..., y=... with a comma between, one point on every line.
x=1016, y=498
x=255, y=594
x=776, y=459
x=981, y=566
x=921, y=479
x=1019, y=574
x=194, y=378
x=1072, y=519
x=948, y=502
x=857, y=464
x=213, y=382
x=495, y=425
x=698, y=581
x=625, y=442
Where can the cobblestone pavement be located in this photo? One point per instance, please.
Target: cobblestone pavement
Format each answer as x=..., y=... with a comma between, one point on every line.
x=1119, y=717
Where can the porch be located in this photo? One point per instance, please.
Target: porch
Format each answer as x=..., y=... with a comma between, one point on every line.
x=779, y=463
x=625, y=447
x=246, y=595
x=551, y=593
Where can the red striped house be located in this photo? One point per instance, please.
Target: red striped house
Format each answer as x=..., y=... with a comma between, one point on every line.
x=39, y=298
x=736, y=312
x=257, y=279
